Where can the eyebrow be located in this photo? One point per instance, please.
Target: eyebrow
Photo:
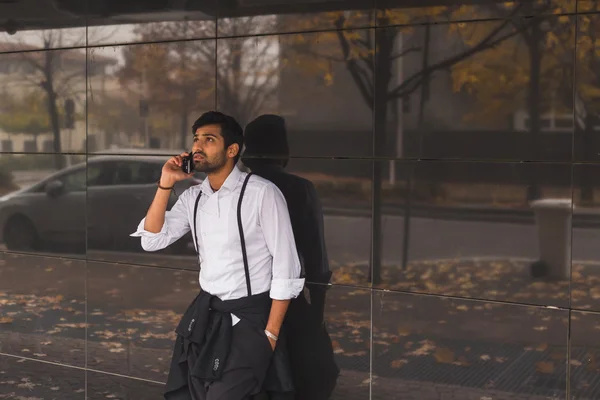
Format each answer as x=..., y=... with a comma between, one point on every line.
x=205, y=134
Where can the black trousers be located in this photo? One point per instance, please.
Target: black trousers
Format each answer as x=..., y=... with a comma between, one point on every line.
x=245, y=369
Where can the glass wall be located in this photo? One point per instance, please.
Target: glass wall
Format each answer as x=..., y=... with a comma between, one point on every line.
x=454, y=146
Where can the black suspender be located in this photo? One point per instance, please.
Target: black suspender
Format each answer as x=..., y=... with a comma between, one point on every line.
x=242, y=239
x=240, y=228
x=194, y=218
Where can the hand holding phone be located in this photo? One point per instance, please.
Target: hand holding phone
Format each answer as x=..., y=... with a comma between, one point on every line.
x=175, y=169
x=187, y=164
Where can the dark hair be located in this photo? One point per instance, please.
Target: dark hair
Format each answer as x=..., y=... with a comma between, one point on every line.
x=231, y=131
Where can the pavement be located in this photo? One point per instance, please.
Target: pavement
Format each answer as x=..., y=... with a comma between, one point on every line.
x=28, y=380
x=118, y=319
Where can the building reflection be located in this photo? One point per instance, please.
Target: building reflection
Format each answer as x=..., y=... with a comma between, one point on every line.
x=420, y=135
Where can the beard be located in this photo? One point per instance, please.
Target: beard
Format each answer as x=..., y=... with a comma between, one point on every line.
x=211, y=165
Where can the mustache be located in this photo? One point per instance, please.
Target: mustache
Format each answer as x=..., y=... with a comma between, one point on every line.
x=200, y=153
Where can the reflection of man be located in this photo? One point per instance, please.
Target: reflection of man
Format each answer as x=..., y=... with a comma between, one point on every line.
x=226, y=338
x=311, y=354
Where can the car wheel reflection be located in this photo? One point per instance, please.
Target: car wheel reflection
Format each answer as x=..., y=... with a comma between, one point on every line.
x=20, y=234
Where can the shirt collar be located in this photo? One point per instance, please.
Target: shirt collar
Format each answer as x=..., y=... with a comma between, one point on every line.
x=232, y=180
x=229, y=185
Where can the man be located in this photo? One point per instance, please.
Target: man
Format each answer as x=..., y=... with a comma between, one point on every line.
x=311, y=353
x=249, y=269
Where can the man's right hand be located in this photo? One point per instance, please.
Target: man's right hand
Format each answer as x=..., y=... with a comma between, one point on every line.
x=172, y=172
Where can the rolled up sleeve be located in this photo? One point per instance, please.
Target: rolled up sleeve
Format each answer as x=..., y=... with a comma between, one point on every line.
x=286, y=283
x=175, y=226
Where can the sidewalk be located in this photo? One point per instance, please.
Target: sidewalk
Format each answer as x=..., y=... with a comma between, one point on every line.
x=398, y=389
x=424, y=347
x=31, y=380
x=25, y=379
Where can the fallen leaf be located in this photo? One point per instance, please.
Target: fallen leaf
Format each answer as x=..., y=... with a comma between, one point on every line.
x=356, y=354
x=462, y=361
x=403, y=332
x=399, y=363
x=444, y=355
x=542, y=347
x=545, y=367
x=381, y=343
x=27, y=384
x=6, y=320
x=426, y=348
x=75, y=326
x=119, y=350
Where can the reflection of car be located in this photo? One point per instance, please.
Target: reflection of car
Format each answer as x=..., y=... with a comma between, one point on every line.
x=59, y=212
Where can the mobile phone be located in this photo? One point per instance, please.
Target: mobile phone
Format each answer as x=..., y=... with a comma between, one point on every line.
x=188, y=163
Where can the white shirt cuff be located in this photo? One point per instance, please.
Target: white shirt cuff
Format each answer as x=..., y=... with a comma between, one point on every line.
x=286, y=289
x=141, y=232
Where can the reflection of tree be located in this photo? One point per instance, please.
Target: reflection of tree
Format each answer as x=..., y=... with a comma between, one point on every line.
x=27, y=114
x=54, y=83
x=112, y=115
x=173, y=78
x=371, y=60
x=179, y=78
x=518, y=75
x=247, y=69
x=587, y=104
x=59, y=73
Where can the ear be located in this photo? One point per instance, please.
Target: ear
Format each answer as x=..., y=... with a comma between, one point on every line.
x=233, y=150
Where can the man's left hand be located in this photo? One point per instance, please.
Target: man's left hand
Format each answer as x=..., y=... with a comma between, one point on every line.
x=273, y=343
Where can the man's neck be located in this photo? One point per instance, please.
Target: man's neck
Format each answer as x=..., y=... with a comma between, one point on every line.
x=217, y=178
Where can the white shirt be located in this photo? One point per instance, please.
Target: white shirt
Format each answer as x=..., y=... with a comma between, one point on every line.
x=272, y=256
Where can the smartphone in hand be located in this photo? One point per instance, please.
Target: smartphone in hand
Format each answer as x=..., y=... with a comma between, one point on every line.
x=188, y=163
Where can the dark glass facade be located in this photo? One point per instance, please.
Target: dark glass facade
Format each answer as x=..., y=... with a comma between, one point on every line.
x=454, y=145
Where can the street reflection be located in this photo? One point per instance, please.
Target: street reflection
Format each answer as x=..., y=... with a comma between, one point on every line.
x=450, y=146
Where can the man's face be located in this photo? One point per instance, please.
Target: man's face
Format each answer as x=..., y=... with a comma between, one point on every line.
x=210, y=154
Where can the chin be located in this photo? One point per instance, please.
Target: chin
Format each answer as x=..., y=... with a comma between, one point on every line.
x=203, y=167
